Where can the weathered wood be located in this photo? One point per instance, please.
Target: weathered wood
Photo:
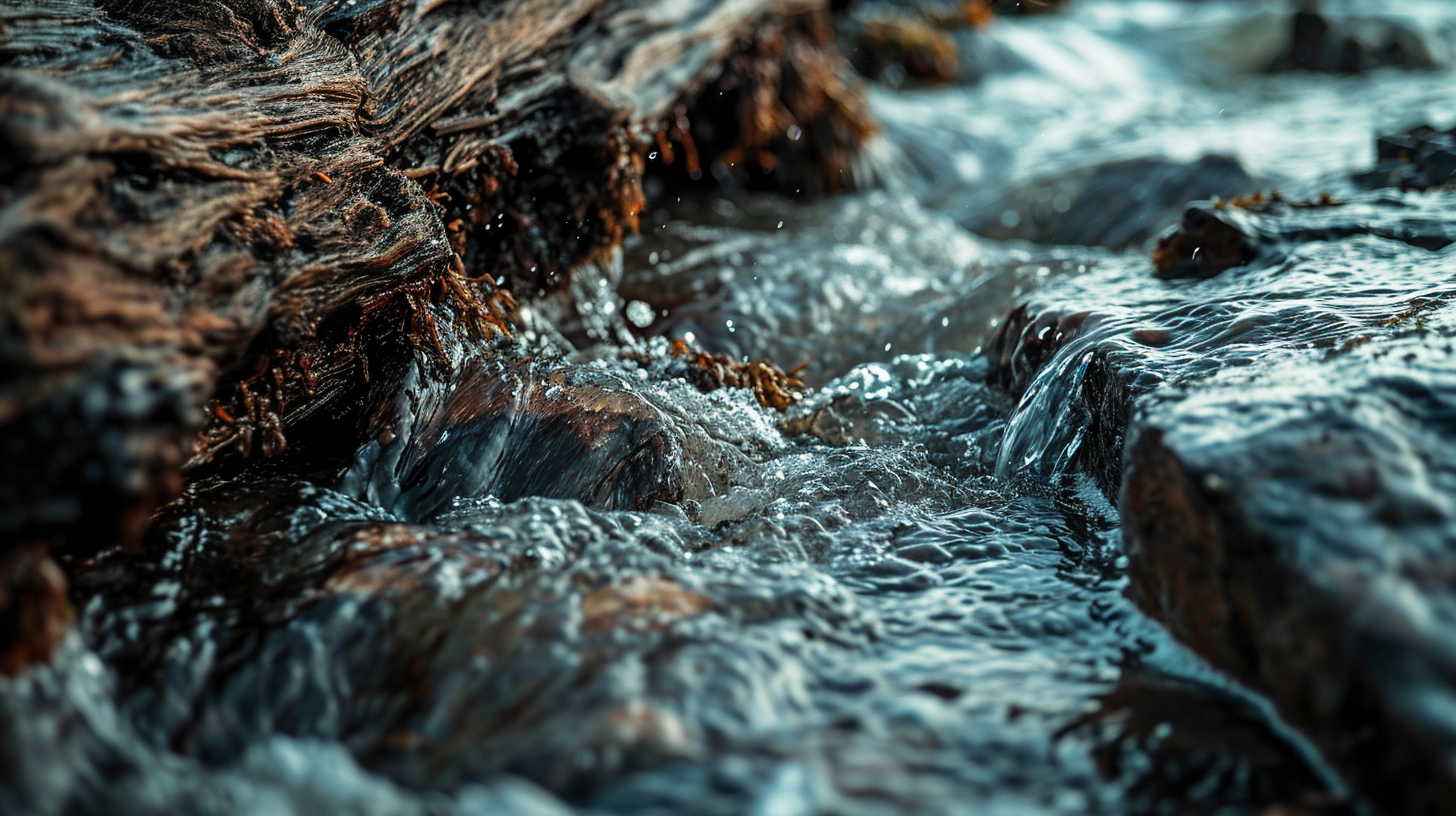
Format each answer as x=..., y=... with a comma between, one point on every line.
x=234, y=215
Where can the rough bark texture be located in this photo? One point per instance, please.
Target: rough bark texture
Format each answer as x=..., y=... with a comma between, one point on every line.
x=235, y=217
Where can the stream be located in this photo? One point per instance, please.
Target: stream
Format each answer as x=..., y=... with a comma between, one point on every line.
x=906, y=594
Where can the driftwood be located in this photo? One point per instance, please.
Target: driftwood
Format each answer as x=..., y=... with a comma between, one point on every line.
x=225, y=220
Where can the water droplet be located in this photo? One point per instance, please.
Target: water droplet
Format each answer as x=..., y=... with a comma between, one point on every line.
x=795, y=133
x=781, y=225
x=640, y=314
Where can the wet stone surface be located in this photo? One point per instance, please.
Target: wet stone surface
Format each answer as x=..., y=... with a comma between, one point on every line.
x=1308, y=549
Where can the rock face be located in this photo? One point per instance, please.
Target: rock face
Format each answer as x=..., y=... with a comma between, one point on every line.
x=1280, y=436
x=1312, y=551
x=1262, y=230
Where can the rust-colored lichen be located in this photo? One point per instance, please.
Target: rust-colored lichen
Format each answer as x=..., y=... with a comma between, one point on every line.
x=771, y=385
x=527, y=217
x=784, y=114
x=1259, y=202
x=253, y=413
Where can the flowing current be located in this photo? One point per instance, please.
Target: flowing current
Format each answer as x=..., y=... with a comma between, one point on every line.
x=904, y=596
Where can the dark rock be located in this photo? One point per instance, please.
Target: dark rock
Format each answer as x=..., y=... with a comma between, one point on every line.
x=1025, y=342
x=1118, y=205
x=253, y=218
x=284, y=198
x=511, y=431
x=1210, y=749
x=1210, y=240
x=1012, y=7
x=1348, y=46
x=784, y=113
x=1418, y=160
x=35, y=615
x=1296, y=526
x=1260, y=230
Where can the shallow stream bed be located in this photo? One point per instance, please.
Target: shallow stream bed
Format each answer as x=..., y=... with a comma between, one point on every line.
x=907, y=594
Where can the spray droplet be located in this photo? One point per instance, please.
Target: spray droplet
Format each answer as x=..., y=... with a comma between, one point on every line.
x=640, y=314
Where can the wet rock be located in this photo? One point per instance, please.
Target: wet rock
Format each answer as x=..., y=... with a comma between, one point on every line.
x=1026, y=6
x=1420, y=159
x=1318, y=42
x=1208, y=241
x=892, y=47
x=785, y=113
x=539, y=638
x=1261, y=230
x=640, y=601
x=1026, y=341
x=1117, y=205
x=1295, y=524
x=90, y=469
x=510, y=431
x=1283, y=298
x=1208, y=749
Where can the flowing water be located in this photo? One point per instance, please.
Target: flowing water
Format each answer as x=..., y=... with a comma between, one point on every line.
x=906, y=595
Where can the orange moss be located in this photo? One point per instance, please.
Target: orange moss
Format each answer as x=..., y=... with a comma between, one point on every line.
x=1261, y=203
x=785, y=114
x=253, y=414
x=771, y=385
